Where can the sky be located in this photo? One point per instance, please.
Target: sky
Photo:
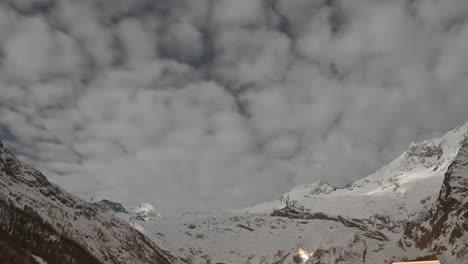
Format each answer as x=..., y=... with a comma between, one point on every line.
x=222, y=104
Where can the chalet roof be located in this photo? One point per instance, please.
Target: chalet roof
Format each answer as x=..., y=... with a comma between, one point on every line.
x=420, y=262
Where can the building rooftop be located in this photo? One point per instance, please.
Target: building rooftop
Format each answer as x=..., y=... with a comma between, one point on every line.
x=419, y=262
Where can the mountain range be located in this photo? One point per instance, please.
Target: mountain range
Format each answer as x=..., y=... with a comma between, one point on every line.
x=416, y=207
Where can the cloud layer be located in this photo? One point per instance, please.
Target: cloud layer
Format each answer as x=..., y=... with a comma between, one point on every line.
x=206, y=105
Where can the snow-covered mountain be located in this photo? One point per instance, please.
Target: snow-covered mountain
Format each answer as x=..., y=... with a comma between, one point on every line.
x=38, y=220
x=444, y=229
x=403, y=188
x=414, y=207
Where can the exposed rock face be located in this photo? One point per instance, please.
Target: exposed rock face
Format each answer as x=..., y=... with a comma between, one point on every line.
x=41, y=218
x=361, y=227
x=444, y=229
x=425, y=151
x=426, y=155
x=110, y=206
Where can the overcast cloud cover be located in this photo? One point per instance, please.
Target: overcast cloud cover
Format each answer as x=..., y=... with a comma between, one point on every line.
x=221, y=104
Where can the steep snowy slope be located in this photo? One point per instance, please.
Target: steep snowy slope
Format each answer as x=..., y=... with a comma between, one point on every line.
x=52, y=224
x=402, y=189
x=414, y=207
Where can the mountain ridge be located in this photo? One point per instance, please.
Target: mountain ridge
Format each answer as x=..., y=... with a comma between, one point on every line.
x=423, y=163
x=61, y=228
x=416, y=207
x=367, y=222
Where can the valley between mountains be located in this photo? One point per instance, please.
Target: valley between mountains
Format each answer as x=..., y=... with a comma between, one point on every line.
x=415, y=207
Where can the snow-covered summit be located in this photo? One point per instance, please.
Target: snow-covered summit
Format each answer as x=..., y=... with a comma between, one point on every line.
x=146, y=211
x=402, y=188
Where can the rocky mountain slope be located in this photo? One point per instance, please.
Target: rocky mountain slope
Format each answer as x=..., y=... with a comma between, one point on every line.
x=413, y=208
x=416, y=207
x=38, y=218
x=444, y=229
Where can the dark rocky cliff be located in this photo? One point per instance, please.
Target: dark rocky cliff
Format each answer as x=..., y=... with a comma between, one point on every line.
x=444, y=229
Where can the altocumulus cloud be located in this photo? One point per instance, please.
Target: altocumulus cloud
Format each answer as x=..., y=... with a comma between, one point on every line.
x=221, y=104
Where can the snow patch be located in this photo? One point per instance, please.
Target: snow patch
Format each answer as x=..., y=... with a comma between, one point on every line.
x=39, y=259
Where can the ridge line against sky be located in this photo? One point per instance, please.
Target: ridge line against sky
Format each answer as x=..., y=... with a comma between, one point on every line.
x=221, y=104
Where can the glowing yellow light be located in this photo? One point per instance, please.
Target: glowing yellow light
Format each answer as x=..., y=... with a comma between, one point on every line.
x=303, y=253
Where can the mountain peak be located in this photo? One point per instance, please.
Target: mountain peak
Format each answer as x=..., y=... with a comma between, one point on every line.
x=110, y=206
x=435, y=152
x=401, y=189
x=146, y=211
